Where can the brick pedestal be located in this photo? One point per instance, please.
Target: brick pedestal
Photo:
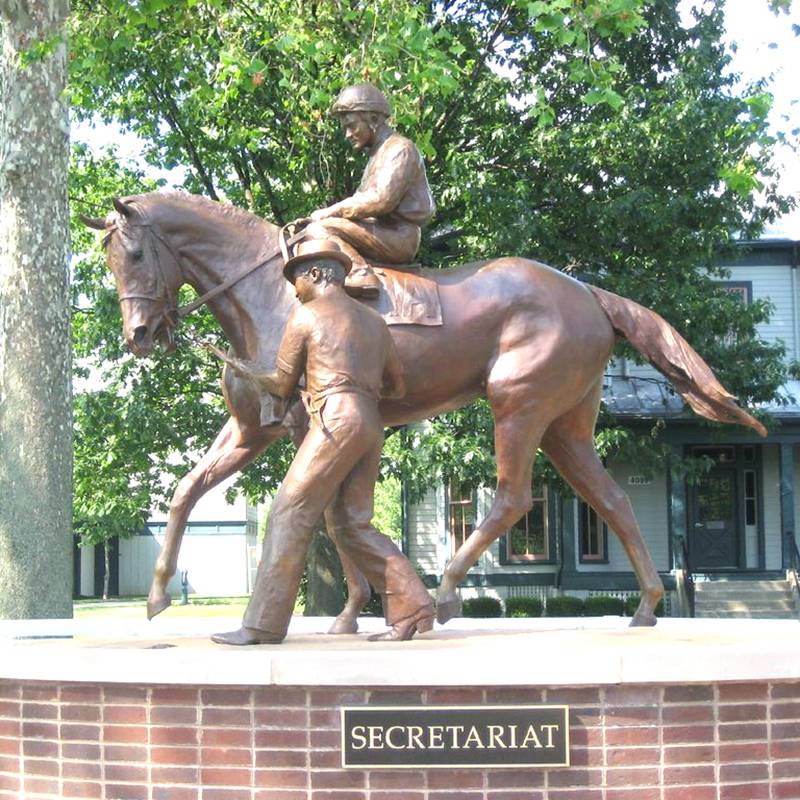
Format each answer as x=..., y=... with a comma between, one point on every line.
x=738, y=741
x=726, y=739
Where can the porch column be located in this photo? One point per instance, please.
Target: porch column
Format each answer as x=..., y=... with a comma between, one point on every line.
x=677, y=510
x=569, y=560
x=787, y=499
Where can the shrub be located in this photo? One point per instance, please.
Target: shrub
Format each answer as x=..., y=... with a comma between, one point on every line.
x=564, y=606
x=602, y=604
x=374, y=608
x=524, y=607
x=632, y=603
x=482, y=607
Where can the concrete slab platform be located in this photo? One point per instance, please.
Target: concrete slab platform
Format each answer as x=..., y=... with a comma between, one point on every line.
x=467, y=652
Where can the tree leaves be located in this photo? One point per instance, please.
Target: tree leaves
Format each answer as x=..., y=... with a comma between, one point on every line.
x=599, y=136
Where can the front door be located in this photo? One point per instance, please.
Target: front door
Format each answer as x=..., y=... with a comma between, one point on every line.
x=713, y=532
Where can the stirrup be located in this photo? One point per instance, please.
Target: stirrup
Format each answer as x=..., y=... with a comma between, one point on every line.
x=365, y=292
x=362, y=282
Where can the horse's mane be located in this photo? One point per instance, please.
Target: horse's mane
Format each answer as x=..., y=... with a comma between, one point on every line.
x=240, y=215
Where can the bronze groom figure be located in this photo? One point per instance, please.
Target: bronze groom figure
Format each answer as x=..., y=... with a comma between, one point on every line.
x=349, y=361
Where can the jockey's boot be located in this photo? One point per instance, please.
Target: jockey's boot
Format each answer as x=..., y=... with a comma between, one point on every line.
x=362, y=282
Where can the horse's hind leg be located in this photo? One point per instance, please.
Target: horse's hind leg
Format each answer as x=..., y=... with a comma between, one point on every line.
x=569, y=443
x=234, y=448
x=516, y=435
x=358, y=589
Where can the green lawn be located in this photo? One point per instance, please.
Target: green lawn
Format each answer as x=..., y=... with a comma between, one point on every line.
x=134, y=607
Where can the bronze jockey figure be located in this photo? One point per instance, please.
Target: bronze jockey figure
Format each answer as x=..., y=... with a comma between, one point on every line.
x=382, y=221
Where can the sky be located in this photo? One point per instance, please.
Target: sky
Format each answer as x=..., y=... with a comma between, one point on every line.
x=765, y=46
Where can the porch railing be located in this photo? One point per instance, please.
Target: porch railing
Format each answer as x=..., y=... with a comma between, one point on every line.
x=794, y=560
x=686, y=578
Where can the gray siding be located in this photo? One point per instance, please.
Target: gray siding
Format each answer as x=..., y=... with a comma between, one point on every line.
x=429, y=548
x=773, y=284
x=426, y=531
x=650, y=507
x=429, y=545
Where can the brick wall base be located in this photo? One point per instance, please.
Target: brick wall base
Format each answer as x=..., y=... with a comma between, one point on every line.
x=736, y=741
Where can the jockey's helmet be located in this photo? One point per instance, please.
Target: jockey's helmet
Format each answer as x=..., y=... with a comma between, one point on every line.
x=361, y=97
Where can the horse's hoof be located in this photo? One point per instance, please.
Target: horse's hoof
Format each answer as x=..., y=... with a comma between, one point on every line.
x=344, y=624
x=447, y=609
x=645, y=616
x=156, y=606
x=643, y=620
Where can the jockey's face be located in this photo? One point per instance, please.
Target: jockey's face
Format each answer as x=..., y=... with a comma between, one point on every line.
x=357, y=130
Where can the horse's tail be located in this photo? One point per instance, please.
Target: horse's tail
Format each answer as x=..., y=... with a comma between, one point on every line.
x=672, y=355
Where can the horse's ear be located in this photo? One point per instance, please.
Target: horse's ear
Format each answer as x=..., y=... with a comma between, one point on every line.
x=122, y=208
x=98, y=223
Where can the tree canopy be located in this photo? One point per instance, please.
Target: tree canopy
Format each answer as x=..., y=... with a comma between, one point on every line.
x=601, y=136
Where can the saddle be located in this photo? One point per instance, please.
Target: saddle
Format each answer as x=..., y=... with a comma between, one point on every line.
x=400, y=293
x=405, y=296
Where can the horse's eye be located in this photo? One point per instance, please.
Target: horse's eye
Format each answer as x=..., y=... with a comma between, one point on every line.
x=137, y=255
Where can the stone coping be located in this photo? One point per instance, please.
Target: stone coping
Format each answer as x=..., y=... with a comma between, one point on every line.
x=465, y=652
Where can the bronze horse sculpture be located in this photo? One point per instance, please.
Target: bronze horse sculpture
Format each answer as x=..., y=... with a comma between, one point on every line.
x=529, y=338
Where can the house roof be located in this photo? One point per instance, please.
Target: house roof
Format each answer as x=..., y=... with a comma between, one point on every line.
x=633, y=397
x=764, y=252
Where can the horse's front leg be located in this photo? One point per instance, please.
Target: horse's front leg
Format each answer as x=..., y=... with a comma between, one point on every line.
x=234, y=448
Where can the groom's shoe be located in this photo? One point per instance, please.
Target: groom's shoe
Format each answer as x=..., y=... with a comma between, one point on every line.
x=245, y=636
x=402, y=631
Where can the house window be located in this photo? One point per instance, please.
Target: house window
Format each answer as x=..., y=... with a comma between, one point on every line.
x=462, y=514
x=528, y=540
x=592, y=535
x=744, y=291
x=722, y=455
x=741, y=289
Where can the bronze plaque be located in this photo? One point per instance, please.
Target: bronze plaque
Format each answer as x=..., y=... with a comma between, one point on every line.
x=395, y=737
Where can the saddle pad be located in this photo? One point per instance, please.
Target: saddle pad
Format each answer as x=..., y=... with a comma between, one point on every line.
x=407, y=298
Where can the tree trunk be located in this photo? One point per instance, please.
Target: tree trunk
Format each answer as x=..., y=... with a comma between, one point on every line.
x=35, y=387
x=106, y=568
x=325, y=587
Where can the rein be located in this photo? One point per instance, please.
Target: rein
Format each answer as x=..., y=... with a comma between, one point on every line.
x=189, y=308
x=176, y=314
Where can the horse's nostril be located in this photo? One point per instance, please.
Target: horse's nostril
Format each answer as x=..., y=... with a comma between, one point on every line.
x=139, y=334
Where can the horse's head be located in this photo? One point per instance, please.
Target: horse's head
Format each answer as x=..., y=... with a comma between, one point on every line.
x=147, y=274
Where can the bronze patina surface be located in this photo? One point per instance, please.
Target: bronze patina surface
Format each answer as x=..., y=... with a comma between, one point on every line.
x=349, y=361
x=532, y=340
x=382, y=221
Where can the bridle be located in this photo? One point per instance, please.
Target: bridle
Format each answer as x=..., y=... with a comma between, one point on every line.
x=288, y=236
x=162, y=284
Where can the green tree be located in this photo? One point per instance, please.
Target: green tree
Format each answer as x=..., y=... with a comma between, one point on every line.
x=598, y=135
